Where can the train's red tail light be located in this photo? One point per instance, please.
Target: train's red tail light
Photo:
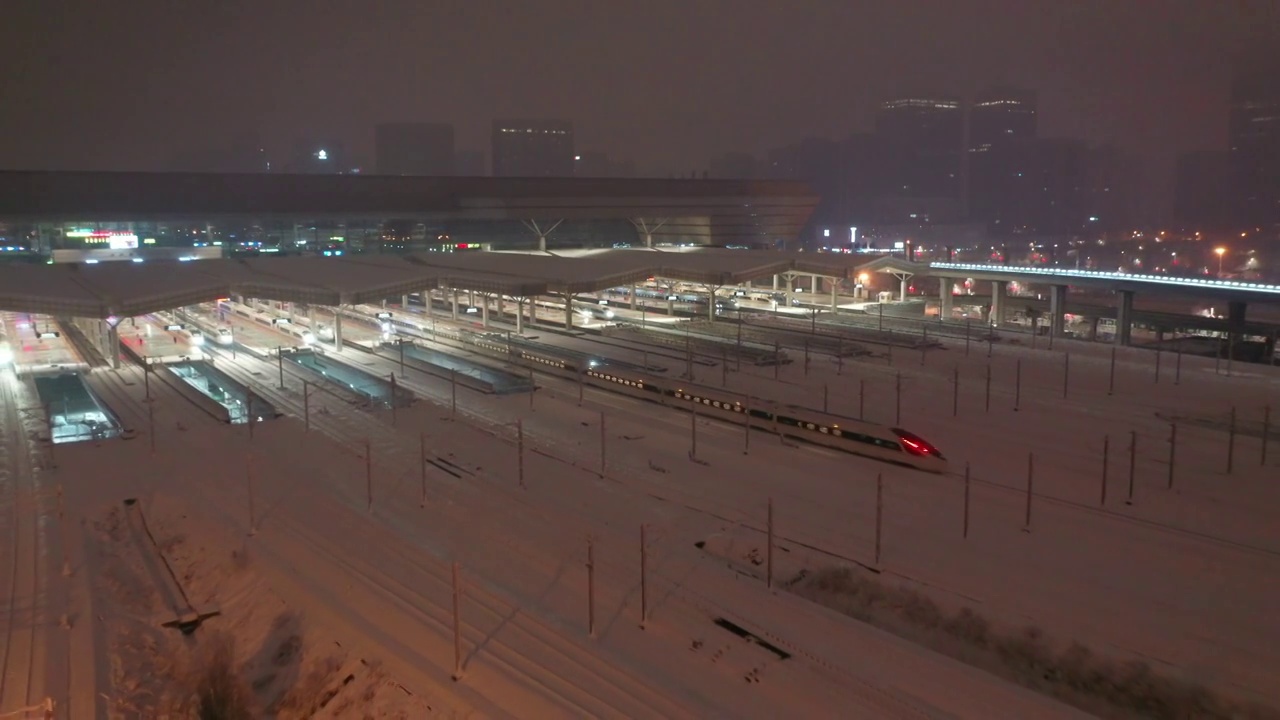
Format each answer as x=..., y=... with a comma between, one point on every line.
x=915, y=445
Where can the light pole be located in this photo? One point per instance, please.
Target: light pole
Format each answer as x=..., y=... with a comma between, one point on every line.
x=1220, y=252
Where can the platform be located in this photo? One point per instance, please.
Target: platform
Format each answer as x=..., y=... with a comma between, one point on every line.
x=37, y=345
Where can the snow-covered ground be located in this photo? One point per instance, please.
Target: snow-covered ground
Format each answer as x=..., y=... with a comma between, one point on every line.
x=1182, y=578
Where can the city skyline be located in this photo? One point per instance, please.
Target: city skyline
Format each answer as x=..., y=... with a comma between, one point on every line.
x=671, y=87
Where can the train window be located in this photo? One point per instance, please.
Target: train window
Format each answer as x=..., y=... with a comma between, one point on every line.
x=869, y=440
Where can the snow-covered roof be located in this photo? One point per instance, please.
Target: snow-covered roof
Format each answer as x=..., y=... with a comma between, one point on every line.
x=127, y=288
x=892, y=264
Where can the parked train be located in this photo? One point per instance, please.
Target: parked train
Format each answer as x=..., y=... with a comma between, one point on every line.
x=271, y=320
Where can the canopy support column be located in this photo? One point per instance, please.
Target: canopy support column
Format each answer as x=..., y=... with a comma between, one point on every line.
x=903, y=277
x=643, y=227
x=541, y=232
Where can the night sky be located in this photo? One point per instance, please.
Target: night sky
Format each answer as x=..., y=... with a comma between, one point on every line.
x=132, y=83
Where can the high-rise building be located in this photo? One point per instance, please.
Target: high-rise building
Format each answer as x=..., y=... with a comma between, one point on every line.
x=1254, y=142
x=1002, y=131
x=926, y=137
x=532, y=148
x=1002, y=115
x=417, y=148
x=1202, y=197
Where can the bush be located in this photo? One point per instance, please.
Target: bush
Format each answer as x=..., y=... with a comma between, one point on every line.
x=1075, y=675
x=220, y=694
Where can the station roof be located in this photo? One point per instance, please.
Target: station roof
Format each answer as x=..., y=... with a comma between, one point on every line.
x=892, y=264
x=57, y=196
x=127, y=288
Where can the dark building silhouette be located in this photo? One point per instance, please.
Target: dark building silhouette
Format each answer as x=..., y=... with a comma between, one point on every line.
x=1002, y=115
x=857, y=180
x=925, y=136
x=533, y=148
x=1002, y=128
x=1202, y=196
x=418, y=148
x=1254, y=142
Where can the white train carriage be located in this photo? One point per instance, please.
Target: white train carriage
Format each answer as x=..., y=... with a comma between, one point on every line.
x=878, y=442
x=273, y=321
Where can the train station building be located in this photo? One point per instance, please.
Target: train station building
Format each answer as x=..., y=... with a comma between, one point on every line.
x=77, y=216
x=561, y=237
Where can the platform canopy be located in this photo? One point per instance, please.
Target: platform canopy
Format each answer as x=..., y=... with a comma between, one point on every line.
x=129, y=288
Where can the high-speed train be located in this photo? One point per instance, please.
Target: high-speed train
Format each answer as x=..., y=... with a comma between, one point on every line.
x=271, y=320
x=878, y=442
x=893, y=445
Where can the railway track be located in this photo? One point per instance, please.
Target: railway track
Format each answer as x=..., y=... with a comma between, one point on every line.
x=393, y=456
x=395, y=459
x=390, y=446
x=22, y=671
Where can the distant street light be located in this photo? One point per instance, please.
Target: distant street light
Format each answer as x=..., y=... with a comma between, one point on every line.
x=1220, y=252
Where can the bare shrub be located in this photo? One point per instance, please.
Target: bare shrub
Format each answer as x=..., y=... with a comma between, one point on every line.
x=970, y=627
x=1075, y=675
x=311, y=691
x=220, y=693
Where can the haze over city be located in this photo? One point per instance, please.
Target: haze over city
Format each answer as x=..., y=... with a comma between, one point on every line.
x=704, y=359
x=665, y=84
